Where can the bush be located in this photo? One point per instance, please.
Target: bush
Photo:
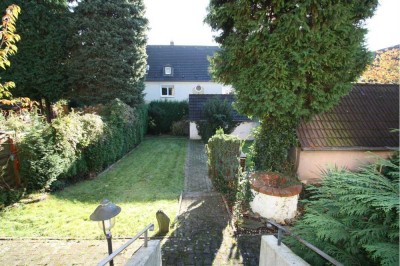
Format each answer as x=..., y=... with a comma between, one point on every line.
x=77, y=145
x=223, y=162
x=180, y=128
x=9, y=196
x=353, y=216
x=218, y=114
x=269, y=151
x=123, y=130
x=162, y=115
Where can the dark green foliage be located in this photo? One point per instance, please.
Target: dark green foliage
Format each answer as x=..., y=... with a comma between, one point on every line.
x=107, y=51
x=180, y=128
x=9, y=196
x=39, y=164
x=73, y=146
x=270, y=149
x=289, y=59
x=223, y=162
x=38, y=69
x=162, y=114
x=353, y=216
x=218, y=114
x=243, y=196
x=125, y=128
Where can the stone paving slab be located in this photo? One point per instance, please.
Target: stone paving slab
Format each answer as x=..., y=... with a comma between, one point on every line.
x=61, y=252
x=196, y=173
x=203, y=235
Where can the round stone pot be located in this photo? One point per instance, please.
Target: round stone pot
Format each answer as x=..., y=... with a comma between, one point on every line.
x=274, y=197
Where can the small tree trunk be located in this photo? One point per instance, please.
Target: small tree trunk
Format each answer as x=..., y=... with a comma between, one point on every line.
x=49, y=113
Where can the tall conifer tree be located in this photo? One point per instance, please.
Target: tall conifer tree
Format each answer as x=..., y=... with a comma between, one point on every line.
x=288, y=60
x=38, y=69
x=108, y=51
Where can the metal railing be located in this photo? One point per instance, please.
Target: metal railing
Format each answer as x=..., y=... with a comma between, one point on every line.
x=281, y=229
x=150, y=227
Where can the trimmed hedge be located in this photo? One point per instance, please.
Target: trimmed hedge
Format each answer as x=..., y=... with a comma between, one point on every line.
x=223, y=162
x=77, y=145
x=162, y=115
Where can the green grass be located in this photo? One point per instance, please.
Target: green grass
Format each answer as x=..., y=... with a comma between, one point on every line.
x=149, y=179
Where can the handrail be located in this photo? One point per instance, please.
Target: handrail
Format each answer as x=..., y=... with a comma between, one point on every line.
x=150, y=227
x=307, y=244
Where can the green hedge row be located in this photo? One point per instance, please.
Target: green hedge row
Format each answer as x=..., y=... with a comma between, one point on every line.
x=76, y=146
x=223, y=162
x=163, y=114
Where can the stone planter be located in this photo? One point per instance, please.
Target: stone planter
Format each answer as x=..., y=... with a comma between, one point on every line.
x=274, y=197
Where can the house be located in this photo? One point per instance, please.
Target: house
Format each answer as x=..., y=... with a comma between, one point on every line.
x=175, y=71
x=357, y=130
x=196, y=103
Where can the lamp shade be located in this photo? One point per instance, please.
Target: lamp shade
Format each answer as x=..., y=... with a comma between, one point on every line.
x=105, y=211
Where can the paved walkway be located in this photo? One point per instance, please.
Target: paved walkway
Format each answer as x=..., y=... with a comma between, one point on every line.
x=203, y=235
x=60, y=252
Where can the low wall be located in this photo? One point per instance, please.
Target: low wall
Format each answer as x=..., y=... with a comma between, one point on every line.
x=147, y=256
x=312, y=163
x=272, y=254
x=243, y=131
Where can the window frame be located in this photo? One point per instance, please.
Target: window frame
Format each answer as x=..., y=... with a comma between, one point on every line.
x=170, y=89
x=171, y=74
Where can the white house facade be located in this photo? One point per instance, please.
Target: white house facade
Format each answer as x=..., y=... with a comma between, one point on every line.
x=180, y=90
x=175, y=71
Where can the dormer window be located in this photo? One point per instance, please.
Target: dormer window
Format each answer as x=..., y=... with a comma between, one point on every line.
x=168, y=71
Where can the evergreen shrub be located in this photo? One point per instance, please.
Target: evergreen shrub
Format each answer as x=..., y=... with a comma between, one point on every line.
x=218, y=114
x=353, y=216
x=269, y=151
x=180, y=128
x=76, y=145
x=223, y=162
x=162, y=115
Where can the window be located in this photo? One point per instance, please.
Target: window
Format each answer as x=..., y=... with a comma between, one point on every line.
x=168, y=71
x=167, y=91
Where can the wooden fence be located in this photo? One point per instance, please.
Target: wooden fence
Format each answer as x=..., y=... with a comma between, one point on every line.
x=9, y=163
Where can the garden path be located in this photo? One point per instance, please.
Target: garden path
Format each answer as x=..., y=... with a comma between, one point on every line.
x=203, y=235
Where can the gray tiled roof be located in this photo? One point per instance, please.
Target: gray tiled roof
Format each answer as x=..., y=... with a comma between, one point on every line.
x=197, y=101
x=362, y=120
x=190, y=63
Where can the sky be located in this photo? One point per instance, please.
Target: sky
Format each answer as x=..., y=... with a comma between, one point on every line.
x=181, y=21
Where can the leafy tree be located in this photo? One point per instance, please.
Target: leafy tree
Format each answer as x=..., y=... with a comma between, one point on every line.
x=39, y=67
x=108, y=57
x=217, y=114
x=288, y=60
x=353, y=216
x=385, y=68
x=8, y=38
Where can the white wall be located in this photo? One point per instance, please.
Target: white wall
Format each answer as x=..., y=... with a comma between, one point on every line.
x=182, y=89
x=274, y=207
x=272, y=254
x=311, y=163
x=147, y=256
x=243, y=131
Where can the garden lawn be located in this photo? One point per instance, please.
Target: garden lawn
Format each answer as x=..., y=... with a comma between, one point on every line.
x=147, y=180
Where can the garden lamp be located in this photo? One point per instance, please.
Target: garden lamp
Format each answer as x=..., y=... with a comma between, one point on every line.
x=105, y=214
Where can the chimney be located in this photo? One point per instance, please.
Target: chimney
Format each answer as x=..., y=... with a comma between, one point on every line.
x=171, y=43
